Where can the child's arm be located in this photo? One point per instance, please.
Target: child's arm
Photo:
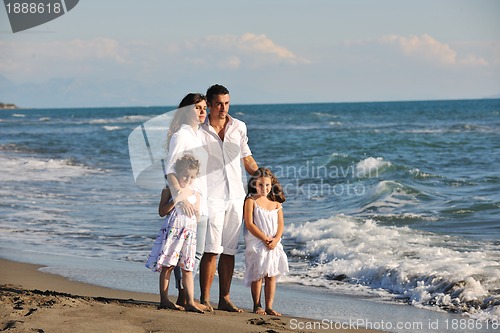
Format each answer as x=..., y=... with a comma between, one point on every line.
x=248, y=217
x=279, y=232
x=166, y=205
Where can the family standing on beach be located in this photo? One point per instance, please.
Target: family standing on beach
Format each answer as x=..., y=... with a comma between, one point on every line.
x=205, y=204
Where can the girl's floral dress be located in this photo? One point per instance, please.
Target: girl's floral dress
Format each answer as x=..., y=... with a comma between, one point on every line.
x=175, y=243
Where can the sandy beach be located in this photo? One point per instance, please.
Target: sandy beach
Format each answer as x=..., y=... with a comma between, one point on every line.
x=35, y=301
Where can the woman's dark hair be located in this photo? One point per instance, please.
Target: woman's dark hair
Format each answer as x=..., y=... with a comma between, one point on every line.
x=180, y=114
x=276, y=193
x=191, y=98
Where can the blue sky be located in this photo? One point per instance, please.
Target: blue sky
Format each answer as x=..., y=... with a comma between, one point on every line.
x=151, y=53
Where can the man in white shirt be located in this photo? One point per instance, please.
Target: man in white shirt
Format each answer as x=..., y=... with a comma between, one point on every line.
x=227, y=145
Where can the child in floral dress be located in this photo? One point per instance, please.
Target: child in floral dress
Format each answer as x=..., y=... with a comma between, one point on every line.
x=176, y=240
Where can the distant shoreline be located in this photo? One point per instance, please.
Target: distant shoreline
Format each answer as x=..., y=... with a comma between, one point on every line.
x=8, y=106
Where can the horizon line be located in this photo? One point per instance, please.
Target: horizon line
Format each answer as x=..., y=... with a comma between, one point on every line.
x=248, y=104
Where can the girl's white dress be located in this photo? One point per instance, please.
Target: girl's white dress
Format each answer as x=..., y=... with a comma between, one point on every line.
x=175, y=243
x=259, y=260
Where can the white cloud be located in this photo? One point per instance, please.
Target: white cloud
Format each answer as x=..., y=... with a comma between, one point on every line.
x=39, y=61
x=250, y=50
x=77, y=49
x=103, y=48
x=473, y=60
x=233, y=62
x=256, y=43
x=427, y=48
x=32, y=60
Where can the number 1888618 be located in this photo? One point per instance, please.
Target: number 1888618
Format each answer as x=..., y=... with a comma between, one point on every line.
x=33, y=8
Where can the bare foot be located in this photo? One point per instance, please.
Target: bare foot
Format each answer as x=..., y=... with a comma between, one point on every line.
x=170, y=306
x=208, y=306
x=271, y=312
x=181, y=301
x=258, y=310
x=200, y=306
x=193, y=308
x=229, y=306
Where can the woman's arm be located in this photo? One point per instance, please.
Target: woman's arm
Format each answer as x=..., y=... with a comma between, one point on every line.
x=179, y=196
x=197, y=205
x=176, y=149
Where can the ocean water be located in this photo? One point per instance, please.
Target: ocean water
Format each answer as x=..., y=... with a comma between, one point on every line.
x=397, y=202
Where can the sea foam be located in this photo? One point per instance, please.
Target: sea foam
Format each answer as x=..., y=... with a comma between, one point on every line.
x=22, y=169
x=422, y=268
x=371, y=166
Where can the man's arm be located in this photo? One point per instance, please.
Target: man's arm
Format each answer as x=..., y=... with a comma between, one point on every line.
x=248, y=161
x=250, y=164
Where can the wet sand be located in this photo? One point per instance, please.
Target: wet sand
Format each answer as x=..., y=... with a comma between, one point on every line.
x=35, y=301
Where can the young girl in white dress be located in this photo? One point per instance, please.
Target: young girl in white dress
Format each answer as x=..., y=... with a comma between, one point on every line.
x=265, y=259
x=176, y=240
